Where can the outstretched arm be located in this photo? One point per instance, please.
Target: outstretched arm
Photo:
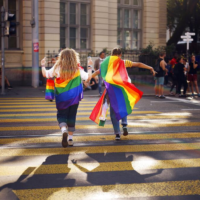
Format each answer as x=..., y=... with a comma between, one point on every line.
x=143, y=66
x=93, y=75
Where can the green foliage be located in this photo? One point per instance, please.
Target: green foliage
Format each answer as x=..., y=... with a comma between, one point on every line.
x=151, y=50
x=182, y=15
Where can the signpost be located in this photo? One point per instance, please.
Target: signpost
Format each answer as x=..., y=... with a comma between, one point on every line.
x=35, y=44
x=187, y=38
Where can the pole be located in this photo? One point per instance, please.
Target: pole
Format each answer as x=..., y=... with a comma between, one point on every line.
x=35, y=44
x=187, y=52
x=2, y=52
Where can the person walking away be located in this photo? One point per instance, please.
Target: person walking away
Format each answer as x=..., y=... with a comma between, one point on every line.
x=68, y=90
x=192, y=75
x=181, y=78
x=120, y=93
x=161, y=71
x=97, y=65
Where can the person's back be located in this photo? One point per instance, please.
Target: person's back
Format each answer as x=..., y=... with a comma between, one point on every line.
x=160, y=72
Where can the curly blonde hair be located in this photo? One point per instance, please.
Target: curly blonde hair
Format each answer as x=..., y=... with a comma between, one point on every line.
x=67, y=62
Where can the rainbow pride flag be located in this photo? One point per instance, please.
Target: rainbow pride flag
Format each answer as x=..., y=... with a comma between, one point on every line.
x=49, y=93
x=122, y=95
x=68, y=92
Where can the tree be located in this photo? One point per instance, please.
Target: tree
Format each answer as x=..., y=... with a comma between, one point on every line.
x=180, y=15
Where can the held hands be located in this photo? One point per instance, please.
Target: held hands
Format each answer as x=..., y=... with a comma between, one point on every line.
x=43, y=62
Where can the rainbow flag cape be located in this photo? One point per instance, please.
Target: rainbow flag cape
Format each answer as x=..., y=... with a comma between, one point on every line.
x=122, y=95
x=68, y=92
x=49, y=93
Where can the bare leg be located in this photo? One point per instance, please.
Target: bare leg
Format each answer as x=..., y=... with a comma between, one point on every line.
x=191, y=85
x=196, y=86
x=160, y=90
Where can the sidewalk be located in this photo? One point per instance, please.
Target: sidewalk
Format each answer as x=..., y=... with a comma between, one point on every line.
x=22, y=92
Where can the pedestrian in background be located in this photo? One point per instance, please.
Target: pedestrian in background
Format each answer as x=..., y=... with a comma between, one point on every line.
x=97, y=65
x=181, y=78
x=7, y=83
x=161, y=71
x=68, y=90
x=168, y=73
x=192, y=75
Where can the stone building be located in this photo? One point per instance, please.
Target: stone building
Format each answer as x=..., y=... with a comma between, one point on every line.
x=84, y=25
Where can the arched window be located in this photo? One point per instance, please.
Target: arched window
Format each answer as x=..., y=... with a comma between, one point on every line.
x=129, y=24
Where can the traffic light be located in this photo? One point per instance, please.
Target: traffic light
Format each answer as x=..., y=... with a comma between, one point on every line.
x=10, y=24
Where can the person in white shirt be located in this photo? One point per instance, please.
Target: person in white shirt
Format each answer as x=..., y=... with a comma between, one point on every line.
x=69, y=90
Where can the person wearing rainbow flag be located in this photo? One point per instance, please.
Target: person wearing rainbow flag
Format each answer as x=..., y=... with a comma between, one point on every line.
x=119, y=92
x=68, y=90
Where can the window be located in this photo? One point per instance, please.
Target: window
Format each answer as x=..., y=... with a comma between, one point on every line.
x=72, y=13
x=73, y=38
x=74, y=22
x=12, y=6
x=129, y=12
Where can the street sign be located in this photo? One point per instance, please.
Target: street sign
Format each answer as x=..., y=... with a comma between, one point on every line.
x=188, y=40
x=186, y=37
x=192, y=34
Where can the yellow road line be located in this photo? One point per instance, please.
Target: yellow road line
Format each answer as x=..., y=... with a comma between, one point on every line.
x=87, y=118
x=43, y=103
x=79, y=113
x=42, y=106
x=99, y=167
x=40, y=109
x=92, y=138
x=126, y=191
x=132, y=125
x=100, y=149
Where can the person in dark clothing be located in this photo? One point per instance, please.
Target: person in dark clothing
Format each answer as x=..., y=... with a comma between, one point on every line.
x=161, y=71
x=181, y=78
x=93, y=84
x=192, y=75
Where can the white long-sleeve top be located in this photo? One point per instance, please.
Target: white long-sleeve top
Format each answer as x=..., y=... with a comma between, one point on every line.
x=50, y=73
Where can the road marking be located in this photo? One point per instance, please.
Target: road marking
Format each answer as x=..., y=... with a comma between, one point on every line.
x=92, y=138
x=194, y=102
x=44, y=106
x=79, y=113
x=100, y=149
x=89, y=167
x=87, y=118
x=95, y=127
x=126, y=191
x=43, y=103
x=41, y=109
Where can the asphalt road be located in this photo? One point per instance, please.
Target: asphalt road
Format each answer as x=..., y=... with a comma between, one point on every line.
x=159, y=159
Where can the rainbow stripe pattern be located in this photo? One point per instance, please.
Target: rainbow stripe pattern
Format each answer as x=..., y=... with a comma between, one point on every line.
x=122, y=95
x=49, y=93
x=68, y=92
x=96, y=113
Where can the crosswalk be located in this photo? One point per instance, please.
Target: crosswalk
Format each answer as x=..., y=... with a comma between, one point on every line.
x=144, y=165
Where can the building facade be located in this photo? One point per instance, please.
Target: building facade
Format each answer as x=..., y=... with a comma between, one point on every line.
x=85, y=25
